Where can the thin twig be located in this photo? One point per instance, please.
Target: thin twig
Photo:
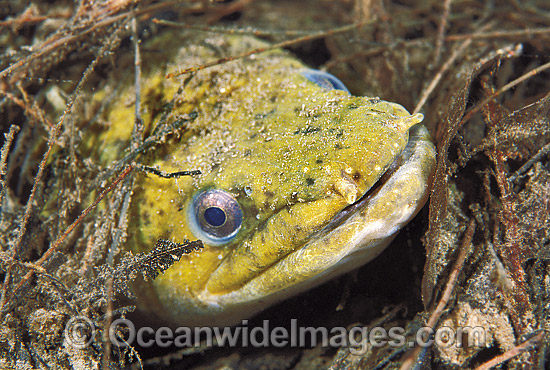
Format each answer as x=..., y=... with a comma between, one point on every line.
x=137, y=133
x=6, y=283
x=230, y=30
x=378, y=49
x=86, y=260
x=84, y=213
x=51, y=140
x=34, y=109
x=106, y=358
x=439, y=75
x=58, y=286
x=118, y=235
x=503, y=89
x=500, y=34
x=137, y=139
x=30, y=17
x=279, y=45
x=441, y=31
x=453, y=277
x=513, y=249
x=62, y=238
x=226, y=9
x=541, y=153
x=156, y=138
x=516, y=351
x=451, y=283
x=3, y=159
x=31, y=112
x=57, y=40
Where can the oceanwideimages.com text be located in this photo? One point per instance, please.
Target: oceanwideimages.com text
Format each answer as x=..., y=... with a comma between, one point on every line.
x=80, y=332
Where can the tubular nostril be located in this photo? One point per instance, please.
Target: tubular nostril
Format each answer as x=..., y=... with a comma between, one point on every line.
x=347, y=188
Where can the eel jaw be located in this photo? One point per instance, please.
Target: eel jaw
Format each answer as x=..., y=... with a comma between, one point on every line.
x=357, y=235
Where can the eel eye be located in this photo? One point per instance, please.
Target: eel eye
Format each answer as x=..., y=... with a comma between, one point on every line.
x=215, y=216
x=324, y=80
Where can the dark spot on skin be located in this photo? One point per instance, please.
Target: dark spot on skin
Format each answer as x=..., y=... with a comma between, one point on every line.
x=263, y=115
x=307, y=130
x=160, y=212
x=218, y=106
x=247, y=152
x=337, y=146
x=356, y=176
x=318, y=161
x=273, y=99
x=352, y=106
x=298, y=228
x=180, y=209
x=310, y=181
x=337, y=132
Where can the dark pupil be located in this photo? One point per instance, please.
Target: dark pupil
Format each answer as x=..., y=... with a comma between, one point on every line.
x=214, y=216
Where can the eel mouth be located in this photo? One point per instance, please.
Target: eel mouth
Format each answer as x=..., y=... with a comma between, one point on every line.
x=363, y=202
x=357, y=234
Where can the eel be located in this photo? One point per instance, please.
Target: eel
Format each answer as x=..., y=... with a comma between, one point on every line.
x=300, y=180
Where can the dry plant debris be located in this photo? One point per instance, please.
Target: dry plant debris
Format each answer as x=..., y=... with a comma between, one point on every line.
x=477, y=70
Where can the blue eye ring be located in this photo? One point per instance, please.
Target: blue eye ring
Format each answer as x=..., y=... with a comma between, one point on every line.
x=215, y=216
x=325, y=80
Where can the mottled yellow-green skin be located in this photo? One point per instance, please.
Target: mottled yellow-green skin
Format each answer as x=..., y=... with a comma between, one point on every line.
x=292, y=154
